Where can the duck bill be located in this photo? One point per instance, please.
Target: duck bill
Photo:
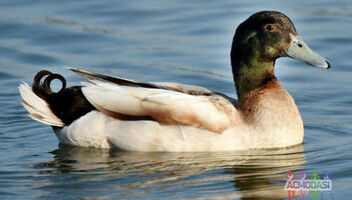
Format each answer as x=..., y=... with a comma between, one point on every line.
x=300, y=51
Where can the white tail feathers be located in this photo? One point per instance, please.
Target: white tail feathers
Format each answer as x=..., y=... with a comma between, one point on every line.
x=38, y=109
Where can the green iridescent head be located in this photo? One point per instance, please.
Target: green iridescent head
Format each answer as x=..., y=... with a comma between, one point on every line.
x=259, y=41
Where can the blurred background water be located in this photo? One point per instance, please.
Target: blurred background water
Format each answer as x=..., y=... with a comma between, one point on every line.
x=179, y=41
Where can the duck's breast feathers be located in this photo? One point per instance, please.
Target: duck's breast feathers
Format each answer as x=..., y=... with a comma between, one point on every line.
x=212, y=112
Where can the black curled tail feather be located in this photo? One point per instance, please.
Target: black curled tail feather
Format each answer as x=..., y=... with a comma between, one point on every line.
x=43, y=89
x=68, y=104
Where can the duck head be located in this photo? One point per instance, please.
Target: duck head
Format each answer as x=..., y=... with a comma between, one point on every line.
x=259, y=41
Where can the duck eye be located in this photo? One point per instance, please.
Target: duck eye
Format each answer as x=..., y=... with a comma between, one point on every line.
x=270, y=27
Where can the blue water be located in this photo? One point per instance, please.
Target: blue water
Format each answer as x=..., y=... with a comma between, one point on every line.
x=179, y=41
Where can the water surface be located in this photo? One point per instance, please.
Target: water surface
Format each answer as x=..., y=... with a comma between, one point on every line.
x=180, y=41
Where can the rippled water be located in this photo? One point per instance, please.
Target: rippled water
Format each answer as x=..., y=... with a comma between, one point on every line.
x=179, y=41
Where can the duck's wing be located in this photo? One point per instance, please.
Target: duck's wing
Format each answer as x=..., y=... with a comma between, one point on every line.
x=184, y=88
x=167, y=103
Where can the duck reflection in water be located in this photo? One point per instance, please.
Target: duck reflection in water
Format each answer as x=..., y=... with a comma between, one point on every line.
x=254, y=174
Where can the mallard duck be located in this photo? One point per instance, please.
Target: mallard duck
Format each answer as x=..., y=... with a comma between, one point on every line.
x=109, y=112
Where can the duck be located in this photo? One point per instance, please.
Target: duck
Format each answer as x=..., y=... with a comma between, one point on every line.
x=117, y=113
